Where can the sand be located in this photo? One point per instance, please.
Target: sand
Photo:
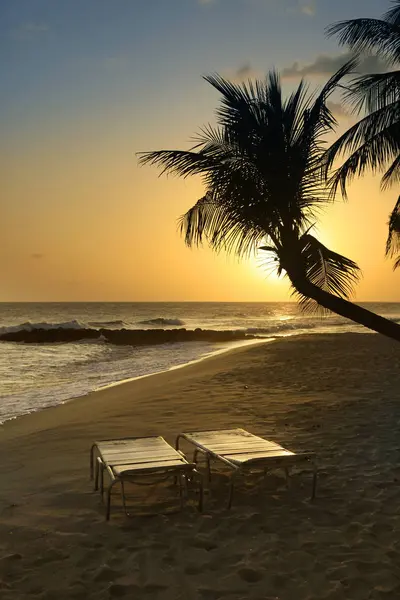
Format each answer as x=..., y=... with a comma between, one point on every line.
x=336, y=394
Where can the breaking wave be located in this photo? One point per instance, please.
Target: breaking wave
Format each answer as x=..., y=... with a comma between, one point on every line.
x=162, y=321
x=28, y=326
x=117, y=323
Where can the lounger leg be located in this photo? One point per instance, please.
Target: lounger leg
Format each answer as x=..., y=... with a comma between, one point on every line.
x=101, y=467
x=124, y=498
x=208, y=467
x=92, y=460
x=108, y=505
x=96, y=477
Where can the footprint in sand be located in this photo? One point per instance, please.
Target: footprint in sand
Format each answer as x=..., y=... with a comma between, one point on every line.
x=106, y=573
x=205, y=543
x=250, y=575
x=118, y=590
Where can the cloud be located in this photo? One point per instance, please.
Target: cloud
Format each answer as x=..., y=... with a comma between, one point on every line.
x=37, y=256
x=29, y=31
x=308, y=9
x=337, y=110
x=246, y=71
x=325, y=65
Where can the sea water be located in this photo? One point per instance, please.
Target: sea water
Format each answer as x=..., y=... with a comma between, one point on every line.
x=36, y=376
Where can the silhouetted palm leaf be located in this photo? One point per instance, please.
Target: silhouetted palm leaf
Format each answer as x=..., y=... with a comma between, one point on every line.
x=374, y=142
x=393, y=240
x=373, y=92
x=329, y=270
x=369, y=35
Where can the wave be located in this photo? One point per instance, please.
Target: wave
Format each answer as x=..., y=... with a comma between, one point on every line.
x=106, y=323
x=299, y=327
x=281, y=327
x=162, y=321
x=28, y=326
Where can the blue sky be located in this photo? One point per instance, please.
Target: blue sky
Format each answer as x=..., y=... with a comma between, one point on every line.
x=83, y=55
x=84, y=85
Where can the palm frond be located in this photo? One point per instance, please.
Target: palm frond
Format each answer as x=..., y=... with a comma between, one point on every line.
x=369, y=35
x=179, y=162
x=327, y=270
x=373, y=142
x=392, y=175
x=393, y=240
x=319, y=118
x=216, y=224
x=373, y=92
x=393, y=15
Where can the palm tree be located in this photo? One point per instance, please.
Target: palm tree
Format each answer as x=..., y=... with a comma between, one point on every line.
x=261, y=168
x=373, y=142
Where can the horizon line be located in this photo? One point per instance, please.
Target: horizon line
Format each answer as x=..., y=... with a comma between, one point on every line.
x=179, y=302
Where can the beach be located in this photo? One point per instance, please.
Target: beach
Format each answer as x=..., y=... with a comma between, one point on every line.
x=334, y=394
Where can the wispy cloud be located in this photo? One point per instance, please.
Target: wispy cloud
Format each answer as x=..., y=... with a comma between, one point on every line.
x=309, y=8
x=244, y=72
x=338, y=110
x=29, y=31
x=305, y=7
x=326, y=65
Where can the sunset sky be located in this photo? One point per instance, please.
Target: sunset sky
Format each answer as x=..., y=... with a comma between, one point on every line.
x=85, y=84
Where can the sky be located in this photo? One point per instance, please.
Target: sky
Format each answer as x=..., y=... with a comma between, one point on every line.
x=86, y=84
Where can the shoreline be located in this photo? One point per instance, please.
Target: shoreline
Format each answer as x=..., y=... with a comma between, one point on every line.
x=234, y=346
x=98, y=393
x=243, y=344
x=45, y=416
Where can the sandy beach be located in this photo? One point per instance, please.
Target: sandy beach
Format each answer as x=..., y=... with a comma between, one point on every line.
x=337, y=395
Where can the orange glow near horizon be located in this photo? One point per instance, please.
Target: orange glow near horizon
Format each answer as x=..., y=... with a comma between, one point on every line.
x=109, y=233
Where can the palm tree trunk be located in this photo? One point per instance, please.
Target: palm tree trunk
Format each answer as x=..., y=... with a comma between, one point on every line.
x=347, y=309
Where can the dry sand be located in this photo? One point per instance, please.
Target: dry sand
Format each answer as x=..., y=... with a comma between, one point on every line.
x=336, y=394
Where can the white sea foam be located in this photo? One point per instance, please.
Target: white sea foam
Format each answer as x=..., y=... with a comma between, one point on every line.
x=162, y=321
x=28, y=326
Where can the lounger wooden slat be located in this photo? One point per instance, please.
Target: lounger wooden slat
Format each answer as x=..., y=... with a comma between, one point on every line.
x=126, y=459
x=132, y=468
x=239, y=449
x=250, y=457
x=253, y=447
x=149, y=441
x=107, y=454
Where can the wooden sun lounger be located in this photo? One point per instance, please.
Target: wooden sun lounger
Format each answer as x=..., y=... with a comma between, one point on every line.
x=241, y=451
x=132, y=459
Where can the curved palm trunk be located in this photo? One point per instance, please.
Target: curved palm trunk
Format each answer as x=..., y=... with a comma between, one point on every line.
x=346, y=309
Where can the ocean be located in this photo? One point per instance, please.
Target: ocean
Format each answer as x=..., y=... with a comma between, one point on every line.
x=37, y=376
